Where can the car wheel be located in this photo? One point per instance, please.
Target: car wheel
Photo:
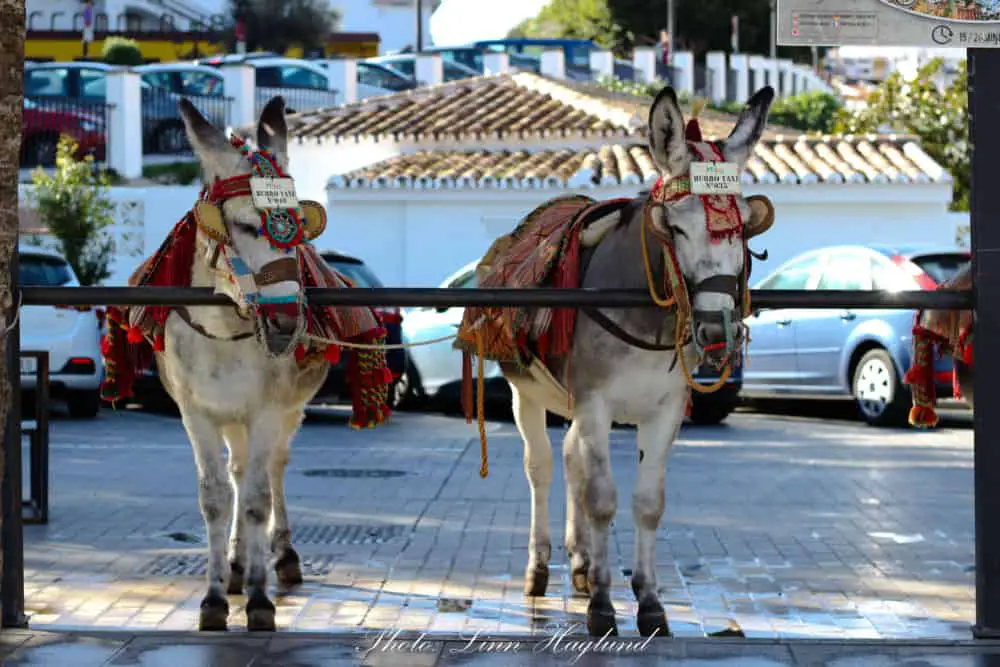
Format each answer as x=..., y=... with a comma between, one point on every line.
x=84, y=404
x=882, y=398
x=171, y=138
x=712, y=409
x=405, y=393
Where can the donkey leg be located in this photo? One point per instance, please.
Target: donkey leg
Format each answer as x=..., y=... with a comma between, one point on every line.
x=655, y=438
x=255, y=505
x=287, y=566
x=577, y=528
x=589, y=440
x=215, y=495
x=530, y=419
x=236, y=440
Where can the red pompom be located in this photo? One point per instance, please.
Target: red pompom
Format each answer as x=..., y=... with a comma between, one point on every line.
x=158, y=343
x=106, y=345
x=386, y=375
x=135, y=335
x=332, y=354
x=300, y=352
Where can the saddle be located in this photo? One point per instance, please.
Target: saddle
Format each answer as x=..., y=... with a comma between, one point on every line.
x=544, y=250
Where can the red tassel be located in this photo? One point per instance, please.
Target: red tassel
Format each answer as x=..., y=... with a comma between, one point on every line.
x=158, y=343
x=332, y=354
x=923, y=416
x=693, y=130
x=135, y=335
x=300, y=352
x=106, y=345
x=386, y=375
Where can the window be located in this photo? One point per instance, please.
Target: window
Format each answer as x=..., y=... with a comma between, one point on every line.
x=52, y=82
x=201, y=83
x=466, y=280
x=793, y=276
x=300, y=77
x=93, y=84
x=356, y=272
x=847, y=271
x=41, y=271
x=267, y=77
x=405, y=65
x=381, y=78
x=159, y=80
x=941, y=267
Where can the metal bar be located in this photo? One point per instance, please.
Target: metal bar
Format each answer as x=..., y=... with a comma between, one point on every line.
x=456, y=297
x=984, y=107
x=12, y=531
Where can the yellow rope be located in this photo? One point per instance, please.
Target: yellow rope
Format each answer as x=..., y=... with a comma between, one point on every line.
x=650, y=283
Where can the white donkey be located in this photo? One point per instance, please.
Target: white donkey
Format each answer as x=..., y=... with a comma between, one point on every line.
x=613, y=380
x=232, y=392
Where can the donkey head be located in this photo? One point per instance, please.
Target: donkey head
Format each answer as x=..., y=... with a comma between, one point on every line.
x=260, y=274
x=712, y=263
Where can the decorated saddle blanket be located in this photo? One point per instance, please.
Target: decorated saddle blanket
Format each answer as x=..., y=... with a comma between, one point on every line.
x=542, y=251
x=952, y=328
x=136, y=332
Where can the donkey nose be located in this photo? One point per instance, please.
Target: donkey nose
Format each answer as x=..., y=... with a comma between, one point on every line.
x=710, y=333
x=282, y=320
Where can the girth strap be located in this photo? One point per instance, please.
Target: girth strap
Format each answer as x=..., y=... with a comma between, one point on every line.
x=609, y=325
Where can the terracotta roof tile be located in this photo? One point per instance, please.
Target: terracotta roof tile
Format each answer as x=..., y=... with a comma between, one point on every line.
x=791, y=160
x=519, y=104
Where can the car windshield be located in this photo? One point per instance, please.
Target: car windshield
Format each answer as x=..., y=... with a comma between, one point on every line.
x=941, y=267
x=42, y=271
x=356, y=272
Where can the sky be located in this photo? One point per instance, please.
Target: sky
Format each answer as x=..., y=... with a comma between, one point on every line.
x=461, y=21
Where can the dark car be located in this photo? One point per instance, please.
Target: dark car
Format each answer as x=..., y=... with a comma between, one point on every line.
x=352, y=268
x=150, y=392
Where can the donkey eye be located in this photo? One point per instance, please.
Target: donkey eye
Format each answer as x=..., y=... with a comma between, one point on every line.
x=678, y=231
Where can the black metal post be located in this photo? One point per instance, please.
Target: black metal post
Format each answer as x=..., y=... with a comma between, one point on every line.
x=12, y=534
x=420, y=26
x=984, y=135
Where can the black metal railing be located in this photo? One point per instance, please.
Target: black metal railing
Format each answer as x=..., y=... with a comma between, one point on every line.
x=730, y=85
x=297, y=99
x=162, y=128
x=454, y=297
x=47, y=118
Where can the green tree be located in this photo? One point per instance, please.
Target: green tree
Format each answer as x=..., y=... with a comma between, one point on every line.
x=813, y=111
x=276, y=25
x=122, y=51
x=74, y=205
x=575, y=19
x=936, y=113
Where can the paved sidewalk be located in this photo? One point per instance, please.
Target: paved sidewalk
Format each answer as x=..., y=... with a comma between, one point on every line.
x=787, y=527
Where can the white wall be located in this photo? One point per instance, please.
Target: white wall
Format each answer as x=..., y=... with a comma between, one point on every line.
x=417, y=238
x=395, y=22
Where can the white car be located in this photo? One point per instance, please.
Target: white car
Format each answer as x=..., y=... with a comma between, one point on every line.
x=70, y=334
x=434, y=369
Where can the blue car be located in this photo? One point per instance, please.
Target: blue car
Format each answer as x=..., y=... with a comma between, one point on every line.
x=847, y=354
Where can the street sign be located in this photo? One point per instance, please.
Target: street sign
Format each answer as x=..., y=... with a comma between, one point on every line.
x=917, y=23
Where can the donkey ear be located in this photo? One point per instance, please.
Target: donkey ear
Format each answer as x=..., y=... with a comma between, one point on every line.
x=666, y=134
x=208, y=142
x=749, y=127
x=272, y=131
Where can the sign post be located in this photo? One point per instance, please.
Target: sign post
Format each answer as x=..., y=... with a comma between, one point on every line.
x=975, y=26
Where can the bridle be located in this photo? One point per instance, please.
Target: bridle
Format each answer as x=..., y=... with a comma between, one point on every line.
x=284, y=227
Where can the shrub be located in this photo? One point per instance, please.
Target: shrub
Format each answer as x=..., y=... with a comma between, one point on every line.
x=122, y=51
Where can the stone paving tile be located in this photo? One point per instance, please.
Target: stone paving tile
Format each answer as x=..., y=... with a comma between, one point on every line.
x=789, y=527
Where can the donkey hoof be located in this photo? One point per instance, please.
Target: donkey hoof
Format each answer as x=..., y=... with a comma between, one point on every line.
x=260, y=615
x=214, y=614
x=652, y=620
x=289, y=569
x=536, y=580
x=235, y=579
x=601, y=617
x=580, y=583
